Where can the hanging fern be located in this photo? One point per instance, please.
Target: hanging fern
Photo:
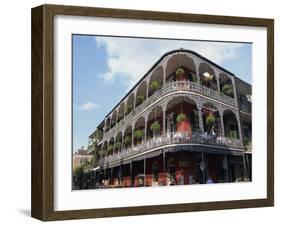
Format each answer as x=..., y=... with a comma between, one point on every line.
x=210, y=120
x=155, y=127
x=227, y=90
x=180, y=71
x=140, y=98
x=154, y=85
x=138, y=134
x=181, y=117
x=128, y=140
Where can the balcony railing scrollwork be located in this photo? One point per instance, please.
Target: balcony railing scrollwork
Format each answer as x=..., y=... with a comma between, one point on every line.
x=170, y=87
x=173, y=138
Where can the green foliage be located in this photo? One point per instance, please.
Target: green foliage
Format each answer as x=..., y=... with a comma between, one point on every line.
x=110, y=147
x=193, y=78
x=181, y=117
x=128, y=140
x=129, y=108
x=140, y=98
x=117, y=145
x=210, y=120
x=154, y=85
x=138, y=134
x=233, y=134
x=227, y=90
x=180, y=71
x=155, y=127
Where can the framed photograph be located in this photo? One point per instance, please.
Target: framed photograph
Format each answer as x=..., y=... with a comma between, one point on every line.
x=141, y=112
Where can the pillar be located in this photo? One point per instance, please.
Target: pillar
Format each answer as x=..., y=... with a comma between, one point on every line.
x=201, y=125
x=239, y=127
x=144, y=169
x=145, y=128
x=131, y=173
x=164, y=166
x=222, y=123
x=164, y=122
x=111, y=175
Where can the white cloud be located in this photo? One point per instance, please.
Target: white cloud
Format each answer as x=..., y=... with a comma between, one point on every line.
x=130, y=58
x=86, y=106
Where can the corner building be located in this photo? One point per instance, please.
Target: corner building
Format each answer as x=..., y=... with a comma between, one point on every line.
x=187, y=121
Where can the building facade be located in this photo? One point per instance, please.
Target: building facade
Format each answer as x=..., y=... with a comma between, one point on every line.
x=186, y=121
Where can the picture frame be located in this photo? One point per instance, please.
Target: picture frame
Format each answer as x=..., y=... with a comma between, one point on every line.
x=43, y=107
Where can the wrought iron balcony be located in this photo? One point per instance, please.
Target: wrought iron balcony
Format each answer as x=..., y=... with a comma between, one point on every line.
x=173, y=138
x=170, y=87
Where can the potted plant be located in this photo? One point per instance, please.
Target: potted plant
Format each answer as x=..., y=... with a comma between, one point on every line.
x=128, y=140
x=154, y=86
x=227, y=90
x=140, y=99
x=138, y=134
x=129, y=108
x=210, y=121
x=181, y=117
x=117, y=145
x=110, y=148
x=155, y=127
x=180, y=73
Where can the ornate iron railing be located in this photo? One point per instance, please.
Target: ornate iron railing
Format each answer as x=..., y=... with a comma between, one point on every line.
x=174, y=138
x=169, y=88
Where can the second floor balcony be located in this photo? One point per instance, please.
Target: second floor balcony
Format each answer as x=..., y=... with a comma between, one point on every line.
x=169, y=140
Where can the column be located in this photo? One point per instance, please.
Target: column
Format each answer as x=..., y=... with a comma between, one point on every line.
x=122, y=141
x=164, y=73
x=203, y=167
x=164, y=166
x=201, y=125
x=144, y=167
x=111, y=176
x=218, y=83
x=235, y=93
x=120, y=173
x=246, y=175
x=197, y=70
x=145, y=128
x=239, y=127
x=221, y=122
x=131, y=173
x=226, y=168
x=164, y=121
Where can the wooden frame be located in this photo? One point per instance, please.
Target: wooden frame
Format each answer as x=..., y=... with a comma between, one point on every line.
x=43, y=108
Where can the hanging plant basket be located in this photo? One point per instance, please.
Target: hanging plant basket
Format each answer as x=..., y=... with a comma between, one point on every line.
x=117, y=145
x=210, y=120
x=129, y=108
x=154, y=85
x=180, y=72
x=155, y=127
x=110, y=147
x=227, y=90
x=181, y=117
x=128, y=140
x=138, y=134
x=140, y=99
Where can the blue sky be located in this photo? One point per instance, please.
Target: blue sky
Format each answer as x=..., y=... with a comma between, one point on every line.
x=105, y=68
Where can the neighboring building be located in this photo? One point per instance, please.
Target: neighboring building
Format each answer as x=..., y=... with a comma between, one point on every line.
x=80, y=157
x=186, y=121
